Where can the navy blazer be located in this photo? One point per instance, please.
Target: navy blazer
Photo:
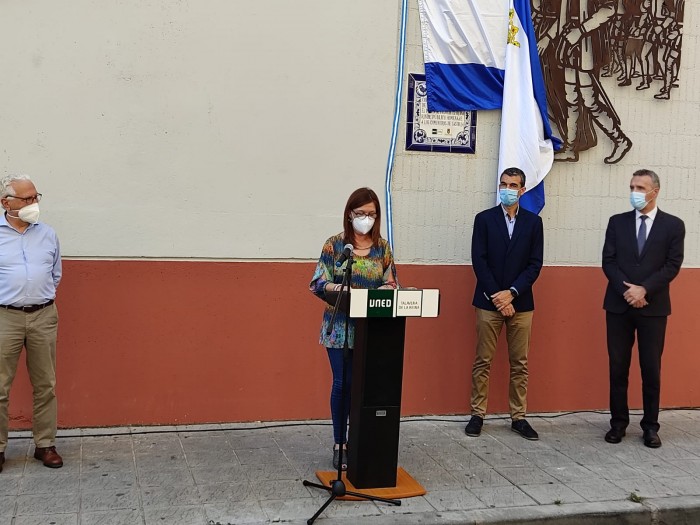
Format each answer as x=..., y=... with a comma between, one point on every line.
x=654, y=269
x=500, y=262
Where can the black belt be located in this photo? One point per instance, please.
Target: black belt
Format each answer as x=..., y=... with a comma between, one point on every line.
x=27, y=309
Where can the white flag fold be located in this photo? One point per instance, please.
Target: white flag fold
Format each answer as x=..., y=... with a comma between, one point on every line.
x=526, y=139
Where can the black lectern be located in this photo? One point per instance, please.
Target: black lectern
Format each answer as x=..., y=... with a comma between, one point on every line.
x=375, y=411
x=375, y=407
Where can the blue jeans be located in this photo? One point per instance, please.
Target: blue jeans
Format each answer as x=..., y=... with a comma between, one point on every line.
x=340, y=413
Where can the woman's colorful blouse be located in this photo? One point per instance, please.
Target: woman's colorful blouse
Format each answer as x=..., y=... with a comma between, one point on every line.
x=369, y=271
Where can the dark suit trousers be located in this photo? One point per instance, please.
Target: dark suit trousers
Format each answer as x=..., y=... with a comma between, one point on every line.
x=651, y=332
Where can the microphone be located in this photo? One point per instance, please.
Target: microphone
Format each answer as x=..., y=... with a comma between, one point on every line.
x=347, y=250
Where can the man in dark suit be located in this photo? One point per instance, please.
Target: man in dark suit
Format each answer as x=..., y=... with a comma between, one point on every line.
x=507, y=250
x=642, y=254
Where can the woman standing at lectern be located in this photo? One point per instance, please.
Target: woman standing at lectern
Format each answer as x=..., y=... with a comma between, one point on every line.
x=373, y=268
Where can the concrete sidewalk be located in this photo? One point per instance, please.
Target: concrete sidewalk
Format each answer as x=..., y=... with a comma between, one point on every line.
x=239, y=474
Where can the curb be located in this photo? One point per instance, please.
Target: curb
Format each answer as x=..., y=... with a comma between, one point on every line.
x=681, y=510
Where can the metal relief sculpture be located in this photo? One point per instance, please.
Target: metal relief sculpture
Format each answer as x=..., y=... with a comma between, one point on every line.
x=580, y=41
x=645, y=42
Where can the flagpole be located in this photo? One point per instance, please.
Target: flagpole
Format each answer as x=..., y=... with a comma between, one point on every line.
x=395, y=126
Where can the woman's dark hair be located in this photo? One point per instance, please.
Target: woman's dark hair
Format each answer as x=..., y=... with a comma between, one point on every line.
x=357, y=199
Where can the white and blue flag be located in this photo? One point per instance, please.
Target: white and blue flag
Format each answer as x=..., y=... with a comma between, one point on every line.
x=526, y=137
x=482, y=54
x=464, y=47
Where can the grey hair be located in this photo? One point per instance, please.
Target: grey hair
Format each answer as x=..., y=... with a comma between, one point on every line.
x=6, y=184
x=655, y=181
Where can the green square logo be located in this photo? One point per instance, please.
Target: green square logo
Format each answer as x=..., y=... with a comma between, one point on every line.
x=380, y=303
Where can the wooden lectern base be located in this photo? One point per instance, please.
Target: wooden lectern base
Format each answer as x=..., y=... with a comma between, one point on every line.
x=406, y=486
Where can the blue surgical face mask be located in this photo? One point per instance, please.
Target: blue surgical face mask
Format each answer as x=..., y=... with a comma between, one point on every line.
x=508, y=197
x=638, y=200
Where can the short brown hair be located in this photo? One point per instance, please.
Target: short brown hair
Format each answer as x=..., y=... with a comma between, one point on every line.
x=515, y=172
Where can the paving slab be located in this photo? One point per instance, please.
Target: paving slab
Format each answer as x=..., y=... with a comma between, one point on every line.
x=252, y=473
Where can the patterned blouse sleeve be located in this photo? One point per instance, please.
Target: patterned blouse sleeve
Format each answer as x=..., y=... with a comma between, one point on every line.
x=389, y=267
x=324, y=270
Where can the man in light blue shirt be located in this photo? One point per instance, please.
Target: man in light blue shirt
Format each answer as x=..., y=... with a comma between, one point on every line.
x=30, y=270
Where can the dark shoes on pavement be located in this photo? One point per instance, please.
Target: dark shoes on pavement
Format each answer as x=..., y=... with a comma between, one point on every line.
x=336, y=458
x=522, y=427
x=2, y=460
x=615, y=435
x=49, y=457
x=651, y=439
x=473, y=428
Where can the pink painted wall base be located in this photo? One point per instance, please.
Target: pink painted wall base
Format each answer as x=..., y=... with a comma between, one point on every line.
x=143, y=342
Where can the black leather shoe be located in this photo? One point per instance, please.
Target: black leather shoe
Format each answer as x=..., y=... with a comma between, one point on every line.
x=651, y=439
x=615, y=435
x=2, y=460
x=336, y=458
x=473, y=428
x=522, y=427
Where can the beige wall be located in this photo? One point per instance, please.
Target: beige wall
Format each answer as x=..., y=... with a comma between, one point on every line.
x=236, y=130
x=196, y=128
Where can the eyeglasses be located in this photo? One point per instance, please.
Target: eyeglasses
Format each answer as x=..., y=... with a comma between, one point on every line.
x=27, y=200
x=359, y=214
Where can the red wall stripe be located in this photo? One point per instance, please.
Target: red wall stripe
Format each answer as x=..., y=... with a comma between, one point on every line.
x=154, y=342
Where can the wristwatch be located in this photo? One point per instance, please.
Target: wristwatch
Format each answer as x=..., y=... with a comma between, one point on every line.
x=513, y=292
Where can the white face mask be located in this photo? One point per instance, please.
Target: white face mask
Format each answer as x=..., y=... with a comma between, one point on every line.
x=363, y=224
x=29, y=213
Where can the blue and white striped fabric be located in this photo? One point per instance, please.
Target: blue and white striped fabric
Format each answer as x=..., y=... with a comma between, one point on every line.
x=464, y=47
x=482, y=54
x=526, y=137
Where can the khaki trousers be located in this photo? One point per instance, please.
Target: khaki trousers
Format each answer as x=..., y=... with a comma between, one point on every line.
x=488, y=328
x=36, y=332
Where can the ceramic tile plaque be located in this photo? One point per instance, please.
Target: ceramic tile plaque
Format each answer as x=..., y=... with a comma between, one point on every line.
x=440, y=132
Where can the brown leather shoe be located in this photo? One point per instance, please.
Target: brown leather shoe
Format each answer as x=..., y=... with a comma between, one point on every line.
x=49, y=457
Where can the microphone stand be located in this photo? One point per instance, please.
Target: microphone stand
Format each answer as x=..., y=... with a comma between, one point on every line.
x=337, y=488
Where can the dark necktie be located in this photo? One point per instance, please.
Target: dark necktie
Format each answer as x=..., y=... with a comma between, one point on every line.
x=642, y=235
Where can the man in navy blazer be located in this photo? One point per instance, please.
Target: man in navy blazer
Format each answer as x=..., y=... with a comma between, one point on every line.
x=642, y=254
x=507, y=252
